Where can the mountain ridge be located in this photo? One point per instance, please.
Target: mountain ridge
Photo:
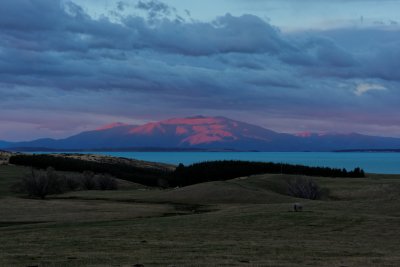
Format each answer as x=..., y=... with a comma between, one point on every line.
x=205, y=133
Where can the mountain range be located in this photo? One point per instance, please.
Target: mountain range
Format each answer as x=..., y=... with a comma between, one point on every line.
x=204, y=133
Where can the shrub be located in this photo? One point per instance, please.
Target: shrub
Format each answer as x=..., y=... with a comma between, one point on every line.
x=106, y=182
x=304, y=188
x=88, y=181
x=56, y=181
x=40, y=184
x=163, y=183
x=71, y=183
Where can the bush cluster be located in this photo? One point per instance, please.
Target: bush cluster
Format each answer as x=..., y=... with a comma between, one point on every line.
x=303, y=188
x=39, y=183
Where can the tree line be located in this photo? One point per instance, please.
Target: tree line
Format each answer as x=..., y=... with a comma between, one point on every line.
x=229, y=169
x=183, y=175
x=145, y=176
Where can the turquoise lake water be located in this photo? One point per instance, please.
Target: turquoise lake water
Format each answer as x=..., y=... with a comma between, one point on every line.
x=387, y=163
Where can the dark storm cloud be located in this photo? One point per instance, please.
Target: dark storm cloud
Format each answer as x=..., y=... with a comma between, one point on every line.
x=66, y=27
x=232, y=63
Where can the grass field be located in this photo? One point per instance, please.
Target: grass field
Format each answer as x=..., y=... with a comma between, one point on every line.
x=241, y=222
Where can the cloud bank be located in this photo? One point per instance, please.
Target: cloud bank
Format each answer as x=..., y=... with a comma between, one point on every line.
x=58, y=62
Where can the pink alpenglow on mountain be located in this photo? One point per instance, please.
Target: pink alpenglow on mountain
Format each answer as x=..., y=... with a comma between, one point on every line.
x=198, y=130
x=208, y=133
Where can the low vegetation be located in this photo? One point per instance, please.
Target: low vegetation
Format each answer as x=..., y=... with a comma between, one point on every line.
x=145, y=176
x=248, y=221
x=39, y=184
x=225, y=170
x=182, y=175
x=301, y=187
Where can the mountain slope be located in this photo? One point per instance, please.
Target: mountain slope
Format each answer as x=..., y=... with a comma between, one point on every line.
x=208, y=133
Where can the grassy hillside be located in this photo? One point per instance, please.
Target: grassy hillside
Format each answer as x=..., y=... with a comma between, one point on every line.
x=8, y=176
x=241, y=222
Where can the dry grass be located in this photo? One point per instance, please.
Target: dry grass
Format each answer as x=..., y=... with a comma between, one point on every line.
x=16, y=210
x=242, y=222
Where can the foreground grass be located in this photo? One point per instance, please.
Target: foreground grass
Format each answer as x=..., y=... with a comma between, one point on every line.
x=241, y=222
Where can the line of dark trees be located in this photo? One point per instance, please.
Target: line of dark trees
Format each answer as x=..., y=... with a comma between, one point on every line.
x=225, y=170
x=145, y=176
x=183, y=175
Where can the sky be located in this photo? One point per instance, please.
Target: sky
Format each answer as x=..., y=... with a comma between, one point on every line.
x=288, y=65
